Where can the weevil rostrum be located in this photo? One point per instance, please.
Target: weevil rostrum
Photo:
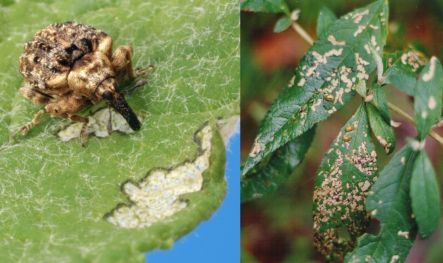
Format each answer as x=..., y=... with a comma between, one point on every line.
x=69, y=66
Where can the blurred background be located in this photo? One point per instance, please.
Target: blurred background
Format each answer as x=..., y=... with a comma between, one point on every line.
x=278, y=228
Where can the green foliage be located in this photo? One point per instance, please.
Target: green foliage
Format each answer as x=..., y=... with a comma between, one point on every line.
x=428, y=97
x=323, y=81
x=389, y=202
x=382, y=130
x=282, y=24
x=267, y=177
x=346, y=173
x=402, y=68
x=325, y=19
x=425, y=195
x=404, y=197
x=55, y=194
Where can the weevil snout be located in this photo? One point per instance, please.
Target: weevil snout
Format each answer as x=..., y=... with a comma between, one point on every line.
x=118, y=102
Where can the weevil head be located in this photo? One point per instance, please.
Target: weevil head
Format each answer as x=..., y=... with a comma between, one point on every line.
x=93, y=77
x=107, y=91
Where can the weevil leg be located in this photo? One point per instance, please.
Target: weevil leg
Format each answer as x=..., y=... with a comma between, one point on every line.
x=36, y=120
x=143, y=72
x=109, y=126
x=140, y=79
x=34, y=95
x=122, y=63
x=66, y=107
x=105, y=46
x=84, y=129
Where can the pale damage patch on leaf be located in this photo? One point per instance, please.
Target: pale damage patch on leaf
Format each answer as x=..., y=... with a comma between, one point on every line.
x=346, y=174
x=100, y=124
x=414, y=59
x=430, y=74
x=158, y=195
x=335, y=42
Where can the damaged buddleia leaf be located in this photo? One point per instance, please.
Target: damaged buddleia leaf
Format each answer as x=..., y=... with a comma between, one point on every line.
x=389, y=202
x=383, y=131
x=425, y=195
x=378, y=99
x=428, y=97
x=401, y=69
x=56, y=193
x=324, y=79
x=325, y=19
x=268, y=176
x=346, y=174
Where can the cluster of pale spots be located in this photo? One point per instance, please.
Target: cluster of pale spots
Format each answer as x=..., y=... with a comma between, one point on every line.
x=347, y=172
x=430, y=74
x=431, y=102
x=324, y=80
x=414, y=59
x=385, y=203
x=158, y=195
x=100, y=124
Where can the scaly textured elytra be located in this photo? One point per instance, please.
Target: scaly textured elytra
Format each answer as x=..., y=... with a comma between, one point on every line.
x=70, y=66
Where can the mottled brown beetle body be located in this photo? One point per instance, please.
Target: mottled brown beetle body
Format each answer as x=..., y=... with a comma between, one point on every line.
x=69, y=66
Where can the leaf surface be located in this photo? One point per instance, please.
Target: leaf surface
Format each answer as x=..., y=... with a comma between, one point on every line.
x=269, y=6
x=389, y=202
x=282, y=24
x=425, y=196
x=323, y=80
x=402, y=70
x=55, y=194
x=428, y=97
x=270, y=175
x=325, y=19
x=346, y=173
x=382, y=130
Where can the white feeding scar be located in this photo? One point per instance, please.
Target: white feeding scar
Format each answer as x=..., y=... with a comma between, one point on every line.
x=157, y=196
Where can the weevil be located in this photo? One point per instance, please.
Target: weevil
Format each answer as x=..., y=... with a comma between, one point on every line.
x=69, y=66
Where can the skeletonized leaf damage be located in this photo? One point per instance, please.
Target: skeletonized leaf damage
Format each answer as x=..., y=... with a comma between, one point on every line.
x=324, y=79
x=158, y=196
x=346, y=174
x=389, y=202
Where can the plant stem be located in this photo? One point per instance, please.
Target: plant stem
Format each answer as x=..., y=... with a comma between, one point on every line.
x=302, y=33
x=391, y=106
x=399, y=111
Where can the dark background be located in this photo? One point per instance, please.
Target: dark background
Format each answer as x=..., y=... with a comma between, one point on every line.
x=278, y=228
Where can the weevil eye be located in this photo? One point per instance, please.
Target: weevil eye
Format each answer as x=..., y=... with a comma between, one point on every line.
x=107, y=95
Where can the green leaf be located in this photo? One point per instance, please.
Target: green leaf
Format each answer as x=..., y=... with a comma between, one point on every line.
x=382, y=130
x=389, y=202
x=282, y=24
x=269, y=6
x=56, y=195
x=380, y=102
x=428, y=97
x=323, y=80
x=361, y=89
x=270, y=175
x=346, y=173
x=402, y=70
x=325, y=19
x=425, y=196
